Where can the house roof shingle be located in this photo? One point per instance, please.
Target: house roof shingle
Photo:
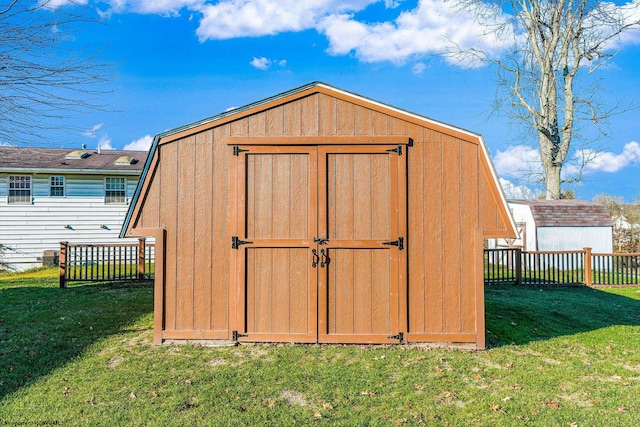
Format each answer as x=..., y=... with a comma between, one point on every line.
x=14, y=158
x=567, y=213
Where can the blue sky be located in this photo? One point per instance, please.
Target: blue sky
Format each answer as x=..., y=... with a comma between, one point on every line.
x=179, y=61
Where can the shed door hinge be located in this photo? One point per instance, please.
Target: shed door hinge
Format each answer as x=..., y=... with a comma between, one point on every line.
x=399, y=337
x=236, y=335
x=399, y=243
x=237, y=150
x=398, y=150
x=236, y=242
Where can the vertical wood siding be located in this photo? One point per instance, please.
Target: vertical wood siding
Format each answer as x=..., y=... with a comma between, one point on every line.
x=220, y=232
x=168, y=220
x=450, y=201
x=203, y=241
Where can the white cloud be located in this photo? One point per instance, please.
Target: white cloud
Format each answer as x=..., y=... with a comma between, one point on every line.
x=631, y=13
x=160, y=7
x=418, y=68
x=263, y=63
x=141, y=144
x=606, y=161
x=522, y=163
x=513, y=191
x=91, y=133
x=228, y=19
x=105, y=143
x=519, y=161
x=392, y=4
x=54, y=4
x=605, y=19
x=432, y=27
x=428, y=29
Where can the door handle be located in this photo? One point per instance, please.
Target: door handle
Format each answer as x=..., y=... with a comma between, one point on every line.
x=315, y=258
x=325, y=258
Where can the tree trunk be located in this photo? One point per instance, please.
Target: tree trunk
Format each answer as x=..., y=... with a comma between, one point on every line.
x=552, y=177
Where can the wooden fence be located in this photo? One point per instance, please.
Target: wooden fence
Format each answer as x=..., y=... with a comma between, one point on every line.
x=564, y=267
x=106, y=262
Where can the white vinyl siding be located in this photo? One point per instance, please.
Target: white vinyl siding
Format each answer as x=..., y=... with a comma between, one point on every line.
x=26, y=231
x=575, y=238
x=19, y=189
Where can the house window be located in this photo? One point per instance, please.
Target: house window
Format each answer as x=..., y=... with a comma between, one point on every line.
x=19, y=189
x=115, y=190
x=56, y=186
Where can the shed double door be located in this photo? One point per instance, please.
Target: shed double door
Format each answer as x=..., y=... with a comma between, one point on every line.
x=319, y=252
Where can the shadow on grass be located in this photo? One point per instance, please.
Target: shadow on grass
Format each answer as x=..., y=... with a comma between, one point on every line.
x=44, y=327
x=522, y=314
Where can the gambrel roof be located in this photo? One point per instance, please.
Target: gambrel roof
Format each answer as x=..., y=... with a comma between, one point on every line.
x=307, y=90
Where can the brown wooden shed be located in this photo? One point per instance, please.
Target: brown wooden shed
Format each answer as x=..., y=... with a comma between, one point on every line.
x=318, y=215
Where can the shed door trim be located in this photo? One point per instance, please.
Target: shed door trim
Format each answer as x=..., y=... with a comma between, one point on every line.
x=319, y=140
x=377, y=189
x=263, y=312
x=386, y=318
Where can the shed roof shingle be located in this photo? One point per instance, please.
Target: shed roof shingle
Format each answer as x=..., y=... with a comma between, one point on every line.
x=567, y=213
x=55, y=158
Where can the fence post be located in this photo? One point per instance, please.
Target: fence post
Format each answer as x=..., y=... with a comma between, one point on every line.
x=518, y=266
x=588, y=276
x=141, y=260
x=63, y=264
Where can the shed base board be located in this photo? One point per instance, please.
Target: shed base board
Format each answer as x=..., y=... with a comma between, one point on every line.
x=435, y=341
x=227, y=343
x=201, y=343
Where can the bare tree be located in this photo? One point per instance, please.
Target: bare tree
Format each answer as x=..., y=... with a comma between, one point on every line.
x=625, y=219
x=44, y=78
x=554, y=43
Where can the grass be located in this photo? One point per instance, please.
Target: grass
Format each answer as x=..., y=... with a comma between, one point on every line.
x=84, y=356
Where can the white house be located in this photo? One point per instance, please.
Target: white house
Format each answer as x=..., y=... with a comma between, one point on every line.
x=53, y=195
x=560, y=225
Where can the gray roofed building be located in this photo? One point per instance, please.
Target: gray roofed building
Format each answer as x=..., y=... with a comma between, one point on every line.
x=19, y=158
x=53, y=195
x=560, y=225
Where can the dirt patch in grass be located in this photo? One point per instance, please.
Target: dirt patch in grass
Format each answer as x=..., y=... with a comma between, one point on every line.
x=218, y=361
x=580, y=399
x=293, y=398
x=115, y=361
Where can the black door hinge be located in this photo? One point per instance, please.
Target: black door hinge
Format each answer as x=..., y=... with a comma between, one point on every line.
x=399, y=243
x=236, y=335
x=236, y=242
x=399, y=337
x=237, y=150
x=398, y=150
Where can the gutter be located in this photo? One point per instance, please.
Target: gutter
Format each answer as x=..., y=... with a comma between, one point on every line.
x=37, y=171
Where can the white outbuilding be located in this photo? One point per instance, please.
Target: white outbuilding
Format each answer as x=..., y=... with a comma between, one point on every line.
x=560, y=225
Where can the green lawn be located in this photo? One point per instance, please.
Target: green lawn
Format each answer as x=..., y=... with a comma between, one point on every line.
x=84, y=356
